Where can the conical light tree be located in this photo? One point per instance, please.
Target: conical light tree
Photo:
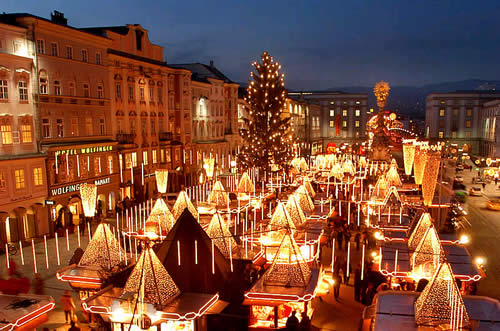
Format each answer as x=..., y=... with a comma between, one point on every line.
x=267, y=139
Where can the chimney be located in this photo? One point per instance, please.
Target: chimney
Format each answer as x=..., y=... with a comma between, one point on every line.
x=211, y=63
x=58, y=18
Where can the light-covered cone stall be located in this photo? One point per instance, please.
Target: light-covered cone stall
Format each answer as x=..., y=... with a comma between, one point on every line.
x=392, y=175
x=160, y=221
x=219, y=232
x=295, y=212
x=419, y=163
x=304, y=200
x=308, y=186
x=218, y=196
x=182, y=203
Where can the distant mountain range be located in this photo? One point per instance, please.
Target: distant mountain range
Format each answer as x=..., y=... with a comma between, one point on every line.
x=410, y=100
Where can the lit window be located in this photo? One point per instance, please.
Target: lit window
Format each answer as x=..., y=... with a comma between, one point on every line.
x=54, y=49
x=356, y=124
x=45, y=128
x=60, y=127
x=332, y=124
x=40, y=46
x=344, y=112
x=3, y=184
x=162, y=155
x=102, y=127
x=128, y=160
x=467, y=134
x=332, y=102
x=358, y=102
x=357, y=113
x=6, y=134
x=100, y=92
x=118, y=91
x=37, y=176
x=57, y=87
x=134, y=159
x=441, y=112
x=69, y=52
x=168, y=156
x=468, y=124
x=19, y=175
x=84, y=55
x=469, y=112
x=344, y=124
x=332, y=112
x=453, y=134
x=110, y=164
x=26, y=133
x=86, y=90
x=97, y=165
x=97, y=58
x=441, y=134
x=153, y=156
x=23, y=90
x=4, y=93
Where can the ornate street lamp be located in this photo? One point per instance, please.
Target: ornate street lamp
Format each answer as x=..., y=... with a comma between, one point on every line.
x=161, y=180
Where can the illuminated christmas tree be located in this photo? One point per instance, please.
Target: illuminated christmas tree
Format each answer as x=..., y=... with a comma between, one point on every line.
x=182, y=203
x=289, y=267
x=218, y=231
x=392, y=176
x=103, y=250
x=151, y=280
x=268, y=139
x=440, y=304
x=218, y=195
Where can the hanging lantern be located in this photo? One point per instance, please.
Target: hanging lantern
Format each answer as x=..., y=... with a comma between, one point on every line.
x=430, y=172
x=419, y=163
x=408, y=155
x=488, y=161
x=88, y=193
x=161, y=180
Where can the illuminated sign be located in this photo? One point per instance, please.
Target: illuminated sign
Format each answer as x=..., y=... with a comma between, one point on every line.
x=76, y=187
x=85, y=150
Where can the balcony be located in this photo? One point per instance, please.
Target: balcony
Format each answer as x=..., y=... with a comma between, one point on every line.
x=125, y=138
x=165, y=136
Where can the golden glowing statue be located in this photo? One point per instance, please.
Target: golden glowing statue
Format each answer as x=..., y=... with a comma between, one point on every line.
x=379, y=131
x=381, y=92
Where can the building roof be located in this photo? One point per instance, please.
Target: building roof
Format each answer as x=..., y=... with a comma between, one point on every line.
x=137, y=57
x=201, y=72
x=101, y=31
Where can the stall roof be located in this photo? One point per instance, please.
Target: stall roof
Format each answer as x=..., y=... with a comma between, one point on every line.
x=19, y=310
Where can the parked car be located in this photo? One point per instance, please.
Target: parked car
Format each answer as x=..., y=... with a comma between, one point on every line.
x=461, y=196
x=459, y=179
x=460, y=167
x=475, y=191
x=494, y=204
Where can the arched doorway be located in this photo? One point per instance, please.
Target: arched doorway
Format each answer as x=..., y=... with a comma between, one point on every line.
x=4, y=226
x=101, y=205
x=74, y=211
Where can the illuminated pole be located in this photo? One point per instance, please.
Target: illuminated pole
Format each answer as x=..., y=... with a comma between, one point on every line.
x=34, y=255
x=57, y=249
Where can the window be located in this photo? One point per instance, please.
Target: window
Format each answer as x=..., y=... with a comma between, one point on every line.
x=37, y=176
x=26, y=133
x=332, y=102
x=57, y=87
x=153, y=126
x=443, y=102
x=153, y=156
x=440, y=134
x=141, y=93
x=97, y=58
x=134, y=159
x=40, y=46
x=332, y=124
x=72, y=89
x=358, y=102
x=455, y=112
x=100, y=92
x=160, y=125
x=118, y=91
x=19, y=175
x=3, y=184
x=6, y=134
x=469, y=112
x=88, y=126
x=143, y=127
x=60, y=127
x=102, y=127
x=84, y=55
x=110, y=164
x=453, y=134
x=119, y=124
x=357, y=112
x=23, y=90
x=344, y=112
x=441, y=112
x=344, y=124
x=128, y=160
x=145, y=157
x=86, y=90
x=468, y=124
x=132, y=126
x=160, y=92
x=74, y=126
x=43, y=84
x=162, y=156
x=151, y=94
x=168, y=157
x=4, y=93
x=332, y=112
x=467, y=134
x=356, y=124
x=45, y=128
x=53, y=47
x=69, y=52
x=130, y=92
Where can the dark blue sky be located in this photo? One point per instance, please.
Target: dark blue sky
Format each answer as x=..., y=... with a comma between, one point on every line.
x=320, y=44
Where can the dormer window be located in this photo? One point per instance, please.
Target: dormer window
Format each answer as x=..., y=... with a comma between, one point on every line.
x=138, y=39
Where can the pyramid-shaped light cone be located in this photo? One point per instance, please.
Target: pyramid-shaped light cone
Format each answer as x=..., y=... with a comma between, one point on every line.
x=424, y=223
x=408, y=155
x=218, y=195
x=281, y=219
x=380, y=188
x=159, y=287
x=161, y=217
x=304, y=200
x=294, y=210
x=441, y=303
x=289, y=267
x=303, y=164
x=219, y=232
x=103, y=250
x=429, y=249
x=245, y=185
x=307, y=184
x=182, y=203
x=392, y=176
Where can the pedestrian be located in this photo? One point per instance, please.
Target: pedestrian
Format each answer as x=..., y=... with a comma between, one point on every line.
x=305, y=322
x=496, y=181
x=336, y=285
x=68, y=306
x=340, y=237
x=347, y=275
x=484, y=185
x=357, y=284
x=73, y=327
x=357, y=240
x=38, y=284
x=292, y=322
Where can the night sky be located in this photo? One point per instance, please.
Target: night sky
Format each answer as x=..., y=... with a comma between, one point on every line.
x=320, y=44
